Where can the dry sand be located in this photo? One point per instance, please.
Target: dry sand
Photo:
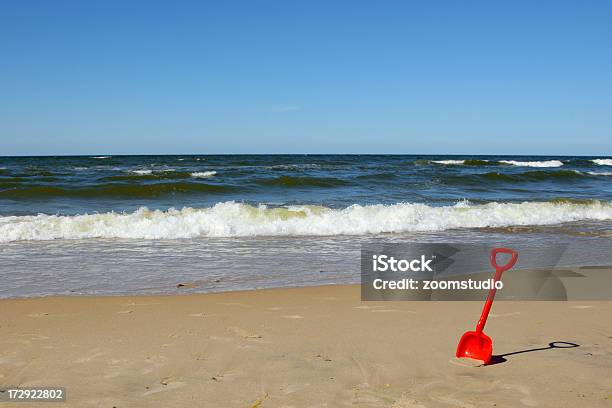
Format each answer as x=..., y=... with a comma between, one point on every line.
x=308, y=347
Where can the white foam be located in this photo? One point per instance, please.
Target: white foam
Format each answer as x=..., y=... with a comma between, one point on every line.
x=600, y=173
x=448, y=161
x=101, y=157
x=544, y=163
x=203, y=174
x=230, y=219
x=603, y=162
x=455, y=161
x=150, y=171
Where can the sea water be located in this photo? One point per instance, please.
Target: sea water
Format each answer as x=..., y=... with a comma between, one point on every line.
x=144, y=224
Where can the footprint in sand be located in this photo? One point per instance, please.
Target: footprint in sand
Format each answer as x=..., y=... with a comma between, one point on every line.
x=154, y=363
x=454, y=402
x=119, y=362
x=243, y=333
x=364, y=395
x=405, y=402
x=323, y=357
x=165, y=384
x=225, y=376
x=91, y=357
x=291, y=388
x=125, y=312
x=523, y=389
x=156, y=360
x=38, y=314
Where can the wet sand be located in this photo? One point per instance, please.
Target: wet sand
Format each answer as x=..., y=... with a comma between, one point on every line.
x=306, y=347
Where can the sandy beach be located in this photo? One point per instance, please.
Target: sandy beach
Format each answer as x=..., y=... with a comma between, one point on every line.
x=276, y=204
x=306, y=347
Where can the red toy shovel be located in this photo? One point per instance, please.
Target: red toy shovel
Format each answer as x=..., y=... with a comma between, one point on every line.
x=476, y=344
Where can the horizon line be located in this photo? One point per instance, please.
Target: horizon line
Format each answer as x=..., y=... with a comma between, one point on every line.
x=94, y=155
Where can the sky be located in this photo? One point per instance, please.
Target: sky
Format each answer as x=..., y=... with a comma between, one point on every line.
x=258, y=76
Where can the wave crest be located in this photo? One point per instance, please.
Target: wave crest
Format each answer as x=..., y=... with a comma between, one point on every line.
x=603, y=162
x=466, y=162
x=544, y=163
x=231, y=219
x=203, y=174
x=451, y=162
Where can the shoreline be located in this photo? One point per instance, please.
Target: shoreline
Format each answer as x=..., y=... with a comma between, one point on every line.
x=594, y=287
x=307, y=346
x=162, y=295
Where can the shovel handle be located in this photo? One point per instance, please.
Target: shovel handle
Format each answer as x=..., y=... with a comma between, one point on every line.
x=498, y=273
x=508, y=265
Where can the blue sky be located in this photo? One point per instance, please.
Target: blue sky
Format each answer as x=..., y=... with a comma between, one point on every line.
x=129, y=77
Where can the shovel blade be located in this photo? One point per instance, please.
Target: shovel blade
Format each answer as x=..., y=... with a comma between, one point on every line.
x=475, y=345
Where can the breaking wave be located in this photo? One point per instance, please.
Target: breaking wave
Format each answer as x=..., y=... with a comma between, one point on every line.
x=448, y=161
x=603, y=162
x=144, y=175
x=482, y=162
x=231, y=219
x=544, y=163
x=467, y=162
x=203, y=174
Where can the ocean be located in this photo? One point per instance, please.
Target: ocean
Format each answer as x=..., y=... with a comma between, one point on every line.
x=79, y=225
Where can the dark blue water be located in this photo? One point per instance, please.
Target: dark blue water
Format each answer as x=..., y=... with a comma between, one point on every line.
x=77, y=185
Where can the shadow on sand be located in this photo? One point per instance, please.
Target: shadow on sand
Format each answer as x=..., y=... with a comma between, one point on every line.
x=498, y=359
